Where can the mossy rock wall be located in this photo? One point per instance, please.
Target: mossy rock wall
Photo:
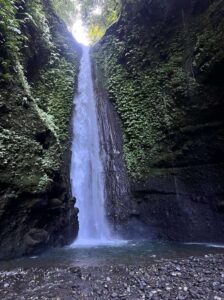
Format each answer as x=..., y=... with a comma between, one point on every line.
x=39, y=63
x=163, y=67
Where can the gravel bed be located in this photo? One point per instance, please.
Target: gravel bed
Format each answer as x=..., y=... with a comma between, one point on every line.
x=192, y=278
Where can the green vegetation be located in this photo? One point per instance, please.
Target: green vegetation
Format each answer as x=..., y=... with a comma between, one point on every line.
x=57, y=81
x=99, y=15
x=11, y=38
x=26, y=165
x=140, y=99
x=67, y=10
x=39, y=64
x=156, y=92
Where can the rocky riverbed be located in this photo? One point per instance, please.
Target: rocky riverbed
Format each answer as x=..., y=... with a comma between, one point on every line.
x=191, y=278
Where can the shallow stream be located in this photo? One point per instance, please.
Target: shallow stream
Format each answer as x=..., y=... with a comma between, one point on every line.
x=128, y=253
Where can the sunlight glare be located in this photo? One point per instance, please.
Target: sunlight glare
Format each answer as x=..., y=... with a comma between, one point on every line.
x=80, y=32
x=97, y=11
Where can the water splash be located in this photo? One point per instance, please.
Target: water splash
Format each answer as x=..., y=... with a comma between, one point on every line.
x=87, y=173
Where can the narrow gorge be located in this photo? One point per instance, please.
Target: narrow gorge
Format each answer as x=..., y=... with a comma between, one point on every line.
x=112, y=149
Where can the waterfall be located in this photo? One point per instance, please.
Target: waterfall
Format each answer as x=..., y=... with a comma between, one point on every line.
x=87, y=171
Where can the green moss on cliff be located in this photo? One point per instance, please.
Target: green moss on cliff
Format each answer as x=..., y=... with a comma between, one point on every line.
x=38, y=77
x=39, y=62
x=54, y=91
x=155, y=69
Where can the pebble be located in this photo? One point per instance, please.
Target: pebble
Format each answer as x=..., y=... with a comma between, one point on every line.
x=191, y=278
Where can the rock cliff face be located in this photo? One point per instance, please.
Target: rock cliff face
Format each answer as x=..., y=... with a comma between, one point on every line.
x=118, y=205
x=39, y=63
x=163, y=66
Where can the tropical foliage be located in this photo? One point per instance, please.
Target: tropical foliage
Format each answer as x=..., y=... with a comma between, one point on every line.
x=66, y=9
x=39, y=64
x=100, y=14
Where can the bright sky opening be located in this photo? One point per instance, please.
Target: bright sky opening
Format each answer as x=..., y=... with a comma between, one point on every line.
x=97, y=10
x=80, y=33
x=79, y=30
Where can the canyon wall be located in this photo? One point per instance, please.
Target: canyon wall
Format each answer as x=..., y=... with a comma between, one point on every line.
x=39, y=63
x=163, y=69
x=118, y=205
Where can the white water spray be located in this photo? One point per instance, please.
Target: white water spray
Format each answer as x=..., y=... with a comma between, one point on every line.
x=87, y=173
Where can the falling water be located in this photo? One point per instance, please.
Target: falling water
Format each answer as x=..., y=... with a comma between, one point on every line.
x=87, y=174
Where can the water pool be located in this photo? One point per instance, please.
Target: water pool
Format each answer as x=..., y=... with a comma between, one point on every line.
x=130, y=252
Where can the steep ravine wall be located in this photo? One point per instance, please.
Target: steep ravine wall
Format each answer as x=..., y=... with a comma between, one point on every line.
x=121, y=208
x=39, y=62
x=163, y=65
x=117, y=185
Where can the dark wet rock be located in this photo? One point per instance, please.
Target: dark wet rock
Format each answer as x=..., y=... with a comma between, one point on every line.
x=55, y=203
x=77, y=271
x=118, y=196
x=35, y=237
x=185, y=206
